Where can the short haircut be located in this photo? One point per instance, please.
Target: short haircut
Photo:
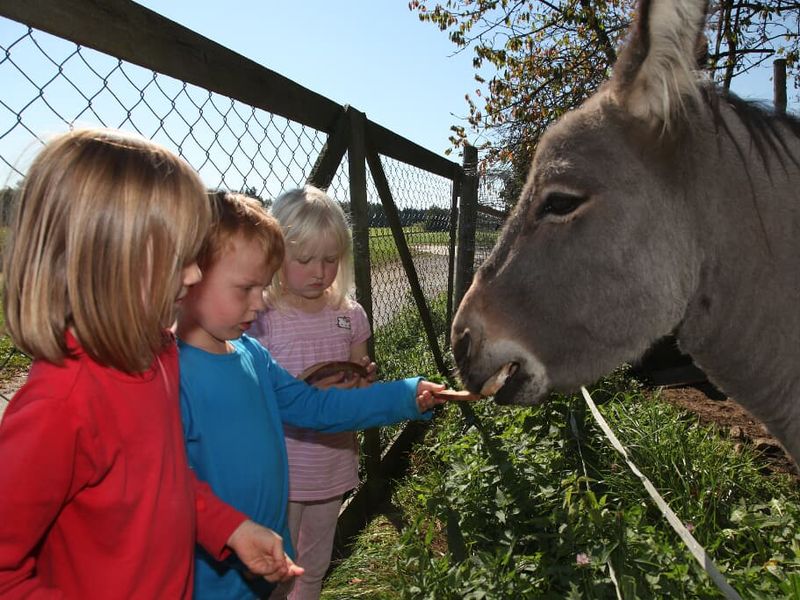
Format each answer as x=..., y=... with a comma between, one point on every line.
x=105, y=221
x=240, y=215
x=306, y=215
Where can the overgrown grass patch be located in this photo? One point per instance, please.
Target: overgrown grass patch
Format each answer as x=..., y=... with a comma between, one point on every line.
x=534, y=503
x=366, y=573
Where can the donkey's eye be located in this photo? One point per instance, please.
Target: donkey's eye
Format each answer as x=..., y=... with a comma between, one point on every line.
x=560, y=204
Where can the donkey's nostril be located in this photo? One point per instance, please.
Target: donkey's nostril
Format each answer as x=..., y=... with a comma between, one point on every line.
x=461, y=349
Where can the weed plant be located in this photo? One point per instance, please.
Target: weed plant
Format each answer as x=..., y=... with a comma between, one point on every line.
x=534, y=503
x=509, y=502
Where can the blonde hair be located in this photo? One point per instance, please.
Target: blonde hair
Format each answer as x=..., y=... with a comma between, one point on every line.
x=237, y=214
x=306, y=215
x=104, y=224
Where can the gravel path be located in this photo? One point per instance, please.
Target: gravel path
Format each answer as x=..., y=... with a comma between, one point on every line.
x=391, y=291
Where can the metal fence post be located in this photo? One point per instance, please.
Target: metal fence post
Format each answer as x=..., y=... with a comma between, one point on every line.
x=467, y=224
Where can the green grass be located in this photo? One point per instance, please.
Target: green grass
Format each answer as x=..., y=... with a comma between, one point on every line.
x=383, y=250
x=514, y=504
x=367, y=572
x=12, y=361
x=402, y=350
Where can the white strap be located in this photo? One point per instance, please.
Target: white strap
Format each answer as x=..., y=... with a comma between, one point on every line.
x=699, y=553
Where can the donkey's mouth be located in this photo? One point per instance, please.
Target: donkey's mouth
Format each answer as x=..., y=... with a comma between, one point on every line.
x=498, y=382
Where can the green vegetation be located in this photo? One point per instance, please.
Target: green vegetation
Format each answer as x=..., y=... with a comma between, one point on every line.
x=401, y=347
x=534, y=503
x=531, y=508
x=366, y=572
x=382, y=249
x=569, y=47
x=12, y=361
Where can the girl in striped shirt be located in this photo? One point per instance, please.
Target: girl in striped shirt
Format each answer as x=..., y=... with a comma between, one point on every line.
x=311, y=318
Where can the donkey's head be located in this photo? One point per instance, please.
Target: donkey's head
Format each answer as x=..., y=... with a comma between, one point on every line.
x=601, y=255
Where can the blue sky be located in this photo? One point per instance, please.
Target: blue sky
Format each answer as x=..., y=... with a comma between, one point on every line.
x=372, y=54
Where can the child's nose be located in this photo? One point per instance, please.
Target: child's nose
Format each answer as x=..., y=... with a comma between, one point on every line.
x=259, y=301
x=191, y=274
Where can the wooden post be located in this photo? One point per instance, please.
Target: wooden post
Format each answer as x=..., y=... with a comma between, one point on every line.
x=779, y=84
x=359, y=215
x=467, y=224
x=451, y=252
x=324, y=169
x=393, y=218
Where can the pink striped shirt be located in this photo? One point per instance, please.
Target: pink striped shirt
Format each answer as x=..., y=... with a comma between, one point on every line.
x=321, y=465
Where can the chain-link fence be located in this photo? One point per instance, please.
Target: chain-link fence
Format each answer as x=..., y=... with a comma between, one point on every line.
x=492, y=209
x=63, y=64
x=49, y=84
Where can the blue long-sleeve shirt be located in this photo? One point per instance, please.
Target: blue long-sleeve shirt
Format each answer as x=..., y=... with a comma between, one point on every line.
x=232, y=406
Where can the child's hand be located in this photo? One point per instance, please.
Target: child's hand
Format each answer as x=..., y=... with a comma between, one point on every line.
x=347, y=380
x=372, y=371
x=340, y=380
x=425, y=398
x=261, y=551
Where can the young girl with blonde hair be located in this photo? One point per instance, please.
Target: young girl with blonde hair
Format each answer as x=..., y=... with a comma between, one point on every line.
x=96, y=498
x=311, y=318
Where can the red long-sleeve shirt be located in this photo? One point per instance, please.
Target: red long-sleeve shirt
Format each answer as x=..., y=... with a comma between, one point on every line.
x=96, y=498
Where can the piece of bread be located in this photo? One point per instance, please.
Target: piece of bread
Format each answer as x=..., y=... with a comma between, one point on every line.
x=321, y=370
x=459, y=395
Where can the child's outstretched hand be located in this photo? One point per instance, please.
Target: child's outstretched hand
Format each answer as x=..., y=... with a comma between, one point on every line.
x=425, y=398
x=261, y=551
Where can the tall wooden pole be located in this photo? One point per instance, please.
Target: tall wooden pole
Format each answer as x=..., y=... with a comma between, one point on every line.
x=779, y=84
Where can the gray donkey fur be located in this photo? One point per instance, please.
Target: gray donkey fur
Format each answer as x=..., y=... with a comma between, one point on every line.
x=658, y=205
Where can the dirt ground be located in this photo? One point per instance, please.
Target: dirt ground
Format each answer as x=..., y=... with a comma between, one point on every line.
x=735, y=422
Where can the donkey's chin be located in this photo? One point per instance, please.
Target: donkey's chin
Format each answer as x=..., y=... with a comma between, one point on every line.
x=513, y=384
x=509, y=372
x=522, y=389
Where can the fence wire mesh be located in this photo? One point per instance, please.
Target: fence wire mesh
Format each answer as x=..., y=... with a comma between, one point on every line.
x=490, y=194
x=423, y=205
x=49, y=85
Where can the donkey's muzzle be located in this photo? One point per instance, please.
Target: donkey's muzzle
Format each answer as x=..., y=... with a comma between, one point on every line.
x=461, y=344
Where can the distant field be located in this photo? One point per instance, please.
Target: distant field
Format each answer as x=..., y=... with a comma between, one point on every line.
x=382, y=248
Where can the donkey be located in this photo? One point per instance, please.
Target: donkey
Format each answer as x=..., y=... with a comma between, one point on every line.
x=659, y=205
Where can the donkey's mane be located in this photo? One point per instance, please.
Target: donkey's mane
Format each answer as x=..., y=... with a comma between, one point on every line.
x=766, y=128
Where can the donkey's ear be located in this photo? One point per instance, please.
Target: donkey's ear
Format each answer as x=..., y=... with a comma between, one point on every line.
x=656, y=72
